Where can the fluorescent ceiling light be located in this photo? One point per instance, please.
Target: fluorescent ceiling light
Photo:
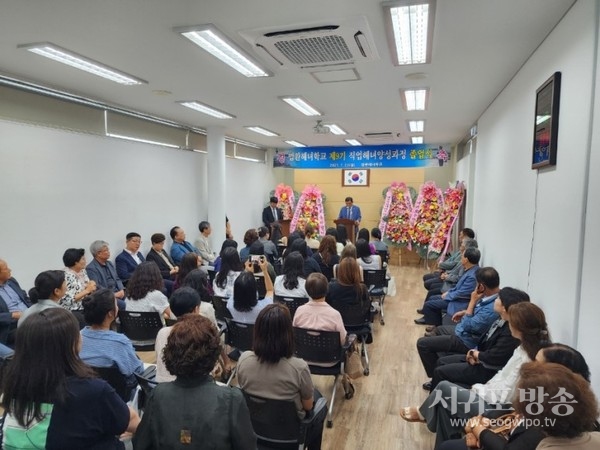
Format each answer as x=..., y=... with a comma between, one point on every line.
x=335, y=129
x=353, y=142
x=301, y=105
x=205, y=109
x=416, y=139
x=416, y=126
x=412, y=30
x=261, y=130
x=72, y=59
x=295, y=143
x=217, y=44
x=145, y=141
x=415, y=99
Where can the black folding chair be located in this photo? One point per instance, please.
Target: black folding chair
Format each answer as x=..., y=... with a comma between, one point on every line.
x=376, y=281
x=315, y=346
x=147, y=382
x=261, y=288
x=240, y=336
x=118, y=381
x=357, y=320
x=141, y=328
x=276, y=422
x=291, y=302
x=384, y=255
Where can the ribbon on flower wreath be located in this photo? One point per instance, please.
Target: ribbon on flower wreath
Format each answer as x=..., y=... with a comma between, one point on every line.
x=440, y=241
x=309, y=210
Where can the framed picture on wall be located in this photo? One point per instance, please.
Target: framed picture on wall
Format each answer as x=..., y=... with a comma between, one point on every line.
x=355, y=177
x=547, y=104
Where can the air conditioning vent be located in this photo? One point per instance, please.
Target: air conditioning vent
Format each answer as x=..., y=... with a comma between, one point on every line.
x=380, y=136
x=317, y=45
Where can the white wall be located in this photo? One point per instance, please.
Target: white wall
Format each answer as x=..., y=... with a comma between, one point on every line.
x=61, y=189
x=530, y=222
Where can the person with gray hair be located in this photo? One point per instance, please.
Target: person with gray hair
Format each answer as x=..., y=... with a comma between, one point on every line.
x=103, y=272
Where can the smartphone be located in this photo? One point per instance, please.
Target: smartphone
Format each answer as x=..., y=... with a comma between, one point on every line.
x=257, y=258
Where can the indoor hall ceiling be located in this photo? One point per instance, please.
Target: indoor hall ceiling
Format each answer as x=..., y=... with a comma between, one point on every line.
x=478, y=46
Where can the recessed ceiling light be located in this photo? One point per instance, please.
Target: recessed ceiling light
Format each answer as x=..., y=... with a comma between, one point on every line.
x=205, y=109
x=80, y=62
x=262, y=131
x=353, y=142
x=301, y=105
x=209, y=38
x=416, y=126
x=295, y=143
x=335, y=129
x=416, y=139
x=412, y=30
x=415, y=99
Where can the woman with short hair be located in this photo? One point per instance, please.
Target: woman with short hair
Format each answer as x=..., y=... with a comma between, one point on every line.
x=193, y=411
x=52, y=399
x=78, y=283
x=272, y=371
x=144, y=291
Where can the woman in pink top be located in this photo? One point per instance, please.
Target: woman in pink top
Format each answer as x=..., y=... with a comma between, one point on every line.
x=317, y=314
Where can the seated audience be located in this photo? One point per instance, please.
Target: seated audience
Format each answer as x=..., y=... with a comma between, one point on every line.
x=289, y=241
x=184, y=300
x=144, y=291
x=78, y=283
x=291, y=282
x=310, y=265
x=310, y=236
x=49, y=287
x=363, y=233
x=473, y=322
x=166, y=265
x=347, y=289
x=457, y=298
x=342, y=235
x=103, y=272
x=257, y=250
x=524, y=435
x=250, y=237
x=127, y=261
x=365, y=258
x=52, y=399
x=180, y=246
x=244, y=306
x=272, y=371
x=349, y=251
x=450, y=262
x=317, y=314
x=188, y=263
x=528, y=324
x=231, y=267
x=270, y=248
x=226, y=243
x=13, y=301
x=102, y=347
x=376, y=241
x=327, y=256
x=193, y=411
x=203, y=244
x=448, y=279
x=490, y=354
x=198, y=280
x=228, y=232
x=332, y=231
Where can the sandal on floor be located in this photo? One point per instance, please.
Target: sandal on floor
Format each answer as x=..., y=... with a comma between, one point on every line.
x=411, y=414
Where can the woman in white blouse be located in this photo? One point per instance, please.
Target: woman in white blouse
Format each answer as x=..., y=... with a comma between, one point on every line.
x=144, y=291
x=291, y=282
x=364, y=257
x=231, y=267
x=78, y=283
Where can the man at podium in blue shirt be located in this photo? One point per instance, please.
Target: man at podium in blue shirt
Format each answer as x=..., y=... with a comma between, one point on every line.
x=350, y=211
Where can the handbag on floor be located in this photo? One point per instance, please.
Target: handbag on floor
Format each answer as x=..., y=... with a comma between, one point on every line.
x=353, y=368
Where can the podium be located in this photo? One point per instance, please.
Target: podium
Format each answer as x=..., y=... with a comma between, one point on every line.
x=350, y=228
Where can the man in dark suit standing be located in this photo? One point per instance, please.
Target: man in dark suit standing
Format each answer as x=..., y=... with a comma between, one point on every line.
x=271, y=216
x=13, y=301
x=128, y=260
